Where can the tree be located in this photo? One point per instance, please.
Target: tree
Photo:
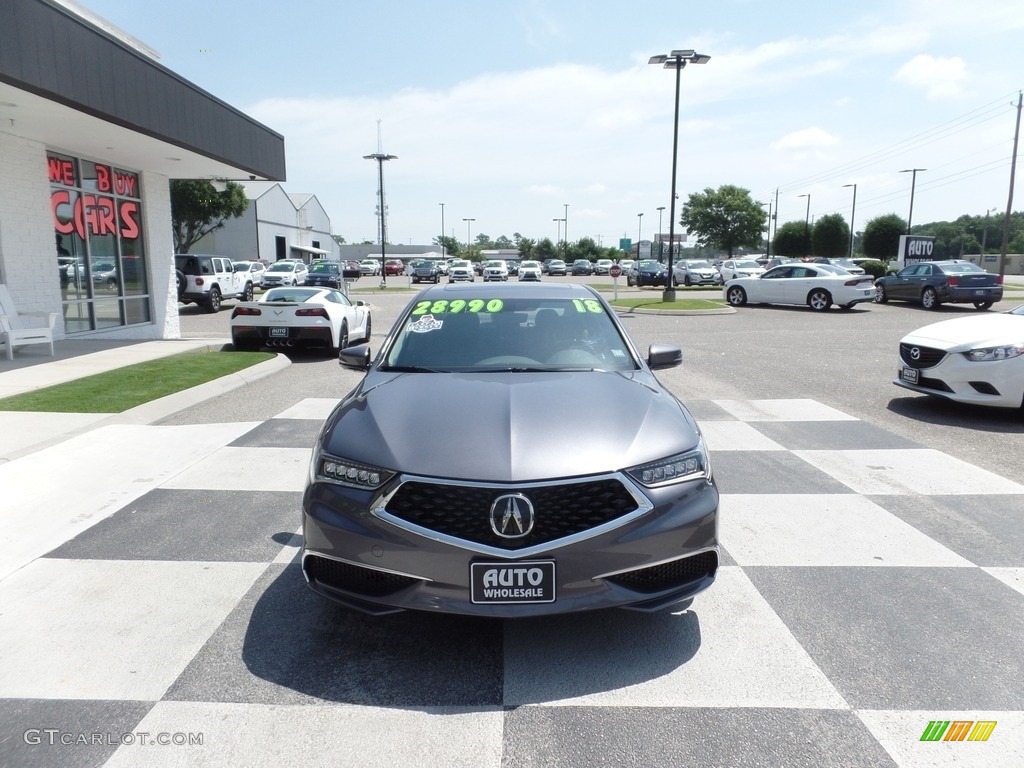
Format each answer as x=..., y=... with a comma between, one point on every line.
x=197, y=209
x=544, y=249
x=726, y=218
x=504, y=242
x=526, y=247
x=338, y=239
x=830, y=237
x=790, y=239
x=450, y=244
x=881, y=238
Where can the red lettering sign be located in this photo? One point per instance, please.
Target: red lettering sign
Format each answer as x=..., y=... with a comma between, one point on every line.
x=129, y=219
x=57, y=199
x=126, y=184
x=61, y=171
x=103, y=178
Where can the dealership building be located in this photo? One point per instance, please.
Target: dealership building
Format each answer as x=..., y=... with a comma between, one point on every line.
x=92, y=130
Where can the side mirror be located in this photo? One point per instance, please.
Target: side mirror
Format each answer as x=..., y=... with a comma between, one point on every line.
x=660, y=356
x=356, y=358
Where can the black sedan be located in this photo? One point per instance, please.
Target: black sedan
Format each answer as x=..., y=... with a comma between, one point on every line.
x=453, y=479
x=582, y=267
x=932, y=283
x=647, y=272
x=325, y=273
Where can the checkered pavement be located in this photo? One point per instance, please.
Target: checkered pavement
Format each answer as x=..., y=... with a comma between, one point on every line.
x=149, y=592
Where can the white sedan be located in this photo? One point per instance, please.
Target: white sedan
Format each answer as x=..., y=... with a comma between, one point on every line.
x=300, y=316
x=819, y=286
x=733, y=268
x=978, y=359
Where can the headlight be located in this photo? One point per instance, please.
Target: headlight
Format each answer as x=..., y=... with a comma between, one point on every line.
x=683, y=467
x=986, y=354
x=350, y=473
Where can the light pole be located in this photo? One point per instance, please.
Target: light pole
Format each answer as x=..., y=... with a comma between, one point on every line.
x=468, y=246
x=565, y=236
x=984, y=232
x=558, y=237
x=853, y=212
x=661, y=243
x=913, y=183
x=807, y=227
x=380, y=157
x=768, y=239
x=675, y=60
x=442, y=230
x=639, y=231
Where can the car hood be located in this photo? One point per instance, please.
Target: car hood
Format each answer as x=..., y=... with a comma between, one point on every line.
x=970, y=332
x=508, y=427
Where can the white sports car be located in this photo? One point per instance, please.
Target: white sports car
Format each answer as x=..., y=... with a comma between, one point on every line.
x=819, y=286
x=978, y=359
x=300, y=316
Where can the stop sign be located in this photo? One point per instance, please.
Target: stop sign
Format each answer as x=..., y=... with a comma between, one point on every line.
x=615, y=270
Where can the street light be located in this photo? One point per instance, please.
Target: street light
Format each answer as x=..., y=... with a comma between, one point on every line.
x=853, y=212
x=468, y=246
x=558, y=237
x=768, y=239
x=565, y=237
x=984, y=231
x=913, y=183
x=807, y=227
x=639, y=230
x=661, y=243
x=675, y=60
x=380, y=157
x=442, y=230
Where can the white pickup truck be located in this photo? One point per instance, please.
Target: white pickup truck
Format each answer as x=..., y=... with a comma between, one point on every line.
x=205, y=280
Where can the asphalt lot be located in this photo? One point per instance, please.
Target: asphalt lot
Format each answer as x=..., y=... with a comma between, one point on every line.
x=846, y=359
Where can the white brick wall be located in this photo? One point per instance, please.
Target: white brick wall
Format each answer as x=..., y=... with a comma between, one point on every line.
x=28, y=252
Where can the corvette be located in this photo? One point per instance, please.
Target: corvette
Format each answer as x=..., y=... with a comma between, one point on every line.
x=300, y=316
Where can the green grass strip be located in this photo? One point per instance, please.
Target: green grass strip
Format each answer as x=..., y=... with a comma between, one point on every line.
x=117, y=391
x=655, y=302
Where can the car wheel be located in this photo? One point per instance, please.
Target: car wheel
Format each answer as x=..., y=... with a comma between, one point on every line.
x=342, y=338
x=929, y=299
x=179, y=277
x=819, y=300
x=369, y=327
x=686, y=281
x=247, y=293
x=880, y=295
x=736, y=296
x=982, y=304
x=213, y=303
x=112, y=284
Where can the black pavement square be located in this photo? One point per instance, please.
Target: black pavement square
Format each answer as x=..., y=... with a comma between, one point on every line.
x=831, y=436
x=280, y=433
x=770, y=472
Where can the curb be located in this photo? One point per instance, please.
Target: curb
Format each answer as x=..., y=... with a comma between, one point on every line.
x=147, y=413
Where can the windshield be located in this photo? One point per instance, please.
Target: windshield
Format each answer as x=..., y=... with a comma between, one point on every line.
x=747, y=265
x=698, y=265
x=960, y=268
x=331, y=267
x=481, y=334
x=279, y=267
x=289, y=295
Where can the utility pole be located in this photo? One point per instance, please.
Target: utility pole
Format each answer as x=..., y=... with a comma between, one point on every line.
x=1009, y=200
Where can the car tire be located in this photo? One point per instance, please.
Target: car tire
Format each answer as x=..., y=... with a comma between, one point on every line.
x=819, y=300
x=686, y=281
x=881, y=297
x=213, y=301
x=112, y=284
x=343, y=340
x=736, y=296
x=369, y=328
x=929, y=298
x=982, y=305
x=181, y=281
x=247, y=294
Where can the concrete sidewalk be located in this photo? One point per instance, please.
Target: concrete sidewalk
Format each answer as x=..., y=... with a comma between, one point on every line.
x=23, y=433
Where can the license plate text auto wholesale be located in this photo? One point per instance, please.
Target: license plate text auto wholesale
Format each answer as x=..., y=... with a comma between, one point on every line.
x=910, y=375
x=522, y=582
x=277, y=332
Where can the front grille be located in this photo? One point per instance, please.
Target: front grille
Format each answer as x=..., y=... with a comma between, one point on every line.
x=677, y=573
x=353, y=578
x=463, y=512
x=927, y=356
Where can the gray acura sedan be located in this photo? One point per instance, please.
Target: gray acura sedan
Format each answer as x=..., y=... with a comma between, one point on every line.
x=454, y=479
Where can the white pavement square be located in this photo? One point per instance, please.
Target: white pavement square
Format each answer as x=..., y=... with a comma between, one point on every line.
x=247, y=469
x=782, y=410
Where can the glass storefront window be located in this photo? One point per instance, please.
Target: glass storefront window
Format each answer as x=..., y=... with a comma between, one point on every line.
x=97, y=218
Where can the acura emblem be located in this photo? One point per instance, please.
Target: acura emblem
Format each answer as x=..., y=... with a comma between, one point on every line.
x=915, y=353
x=512, y=516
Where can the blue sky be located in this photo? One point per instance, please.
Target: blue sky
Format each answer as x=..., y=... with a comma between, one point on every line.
x=506, y=111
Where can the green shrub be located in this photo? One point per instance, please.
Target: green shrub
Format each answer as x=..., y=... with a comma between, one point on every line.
x=876, y=269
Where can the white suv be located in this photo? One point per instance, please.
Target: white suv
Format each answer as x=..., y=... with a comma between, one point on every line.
x=285, y=272
x=205, y=280
x=495, y=270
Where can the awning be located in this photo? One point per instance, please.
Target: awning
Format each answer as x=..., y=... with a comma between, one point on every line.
x=307, y=249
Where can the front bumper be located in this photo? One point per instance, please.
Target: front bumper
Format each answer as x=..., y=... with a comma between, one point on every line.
x=356, y=553
x=998, y=383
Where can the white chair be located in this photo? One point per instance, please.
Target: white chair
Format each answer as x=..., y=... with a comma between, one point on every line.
x=19, y=329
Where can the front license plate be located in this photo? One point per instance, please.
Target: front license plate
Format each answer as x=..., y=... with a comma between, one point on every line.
x=910, y=375
x=524, y=582
x=279, y=332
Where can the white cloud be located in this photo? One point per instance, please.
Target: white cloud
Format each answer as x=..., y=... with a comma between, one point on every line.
x=938, y=77
x=807, y=139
